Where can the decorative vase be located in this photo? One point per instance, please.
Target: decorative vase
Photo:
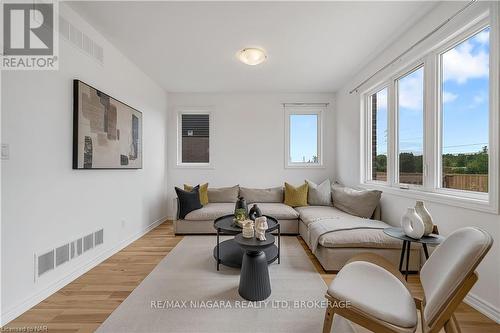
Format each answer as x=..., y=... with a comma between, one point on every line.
x=248, y=231
x=241, y=205
x=425, y=216
x=412, y=224
x=254, y=212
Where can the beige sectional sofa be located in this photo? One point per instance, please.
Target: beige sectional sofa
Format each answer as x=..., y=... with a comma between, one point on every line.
x=201, y=221
x=336, y=248
x=333, y=249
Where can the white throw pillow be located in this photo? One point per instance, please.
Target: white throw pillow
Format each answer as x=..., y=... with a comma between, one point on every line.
x=319, y=195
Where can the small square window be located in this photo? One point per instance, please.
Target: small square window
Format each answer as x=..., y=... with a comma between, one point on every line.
x=194, y=139
x=303, y=140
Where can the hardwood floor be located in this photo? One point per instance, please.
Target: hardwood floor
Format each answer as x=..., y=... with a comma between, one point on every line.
x=85, y=303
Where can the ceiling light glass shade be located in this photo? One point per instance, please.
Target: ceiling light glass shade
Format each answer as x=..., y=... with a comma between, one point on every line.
x=252, y=56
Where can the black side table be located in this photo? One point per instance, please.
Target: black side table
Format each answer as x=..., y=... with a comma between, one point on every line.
x=254, y=275
x=229, y=253
x=398, y=233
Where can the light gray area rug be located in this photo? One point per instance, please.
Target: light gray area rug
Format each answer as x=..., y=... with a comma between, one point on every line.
x=185, y=293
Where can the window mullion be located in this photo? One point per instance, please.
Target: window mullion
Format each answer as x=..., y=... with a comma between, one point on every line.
x=432, y=131
x=392, y=170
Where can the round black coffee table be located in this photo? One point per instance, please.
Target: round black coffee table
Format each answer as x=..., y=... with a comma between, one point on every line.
x=254, y=275
x=398, y=233
x=229, y=253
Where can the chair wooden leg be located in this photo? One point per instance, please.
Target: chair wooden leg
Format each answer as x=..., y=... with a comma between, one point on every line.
x=327, y=324
x=451, y=326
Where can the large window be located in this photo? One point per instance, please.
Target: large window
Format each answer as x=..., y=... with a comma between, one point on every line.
x=379, y=148
x=432, y=125
x=410, y=90
x=303, y=136
x=194, y=139
x=465, y=114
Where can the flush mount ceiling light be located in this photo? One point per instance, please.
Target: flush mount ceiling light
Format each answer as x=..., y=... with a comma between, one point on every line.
x=252, y=56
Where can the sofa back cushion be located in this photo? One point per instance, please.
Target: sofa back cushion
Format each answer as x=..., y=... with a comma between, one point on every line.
x=223, y=194
x=319, y=195
x=188, y=200
x=296, y=196
x=252, y=195
x=361, y=203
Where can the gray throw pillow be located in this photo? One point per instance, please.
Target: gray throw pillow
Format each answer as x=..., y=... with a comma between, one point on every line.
x=319, y=195
x=252, y=195
x=223, y=194
x=361, y=203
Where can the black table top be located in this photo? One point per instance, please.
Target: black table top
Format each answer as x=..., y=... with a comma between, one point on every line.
x=226, y=224
x=431, y=239
x=253, y=244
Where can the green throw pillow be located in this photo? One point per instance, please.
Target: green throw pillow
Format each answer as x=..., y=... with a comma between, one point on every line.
x=296, y=196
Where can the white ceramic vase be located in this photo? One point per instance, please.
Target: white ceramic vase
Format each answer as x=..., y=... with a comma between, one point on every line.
x=425, y=216
x=412, y=224
x=248, y=231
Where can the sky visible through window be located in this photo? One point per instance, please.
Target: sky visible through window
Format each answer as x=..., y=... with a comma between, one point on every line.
x=304, y=138
x=411, y=112
x=465, y=119
x=465, y=95
x=381, y=122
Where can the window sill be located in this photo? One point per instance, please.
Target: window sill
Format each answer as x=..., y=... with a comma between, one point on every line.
x=304, y=166
x=477, y=202
x=194, y=166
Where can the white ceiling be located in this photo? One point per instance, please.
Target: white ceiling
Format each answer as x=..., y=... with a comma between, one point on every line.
x=191, y=46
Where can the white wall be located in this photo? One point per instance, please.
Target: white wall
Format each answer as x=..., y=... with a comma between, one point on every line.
x=486, y=293
x=249, y=141
x=44, y=202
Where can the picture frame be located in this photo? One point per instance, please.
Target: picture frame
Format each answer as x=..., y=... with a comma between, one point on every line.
x=107, y=133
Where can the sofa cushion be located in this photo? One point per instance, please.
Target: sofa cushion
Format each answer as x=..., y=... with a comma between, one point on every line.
x=211, y=211
x=296, y=196
x=279, y=211
x=223, y=194
x=188, y=200
x=309, y=214
x=319, y=195
x=203, y=192
x=360, y=238
x=253, y=195
x=361, y=203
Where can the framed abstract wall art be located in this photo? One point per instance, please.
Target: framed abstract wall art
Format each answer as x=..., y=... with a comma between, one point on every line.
x=107, y=134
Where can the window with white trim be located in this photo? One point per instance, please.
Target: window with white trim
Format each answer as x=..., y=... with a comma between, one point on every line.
x=303, y=131
x=194, y=138
x=442, y=119
x=464, y=89
x=410, y=116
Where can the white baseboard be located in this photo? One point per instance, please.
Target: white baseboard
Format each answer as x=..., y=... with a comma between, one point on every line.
x=484, y=307
x=30, y=302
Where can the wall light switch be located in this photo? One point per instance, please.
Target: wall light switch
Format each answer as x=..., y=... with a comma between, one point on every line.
x=5, y=151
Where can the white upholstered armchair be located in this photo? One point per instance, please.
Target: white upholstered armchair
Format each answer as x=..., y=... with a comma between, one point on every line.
x=380, y=301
